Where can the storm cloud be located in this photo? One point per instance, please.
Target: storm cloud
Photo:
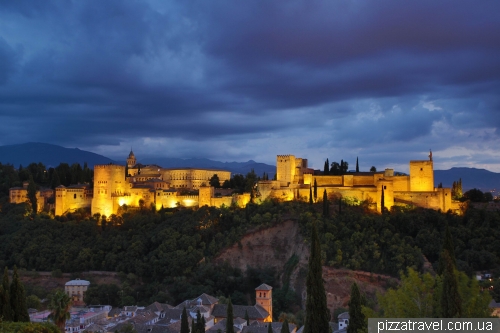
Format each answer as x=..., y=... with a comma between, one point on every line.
x=385, y=80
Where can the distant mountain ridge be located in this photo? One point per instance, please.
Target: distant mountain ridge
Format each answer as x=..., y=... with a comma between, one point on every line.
x=481, y=179
x=52, y=155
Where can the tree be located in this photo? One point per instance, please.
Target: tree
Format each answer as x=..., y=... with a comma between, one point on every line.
x=356, y=317
x=310, y=195
x=200, y=323
x=284, y=327
x=382, y=201
x=317, y=314
x=247, y=318
x=194, y=327
x=269, y=328
x=326, y=205
x=59, y=305
x=326, y=167
x=230, y=319
x=373, y=169
x=6, y=313
x=451, y=302
x=214, y=181
x=357, y=165
x=315, y=190
x=18, y=299
x=55, y=182
x=184, y=322
x=32, y=195
x=412, y=299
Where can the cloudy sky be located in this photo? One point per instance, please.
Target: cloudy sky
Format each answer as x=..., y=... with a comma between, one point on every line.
x=239, y=80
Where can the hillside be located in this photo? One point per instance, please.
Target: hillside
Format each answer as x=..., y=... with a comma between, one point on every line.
x=276, y=245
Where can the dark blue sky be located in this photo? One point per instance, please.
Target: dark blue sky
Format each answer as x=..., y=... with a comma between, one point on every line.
x=238, y=80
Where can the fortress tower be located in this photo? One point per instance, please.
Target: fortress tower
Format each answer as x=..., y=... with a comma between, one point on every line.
x=131, y=161
x=421, y=176
x=264, y=298
x=109, y=182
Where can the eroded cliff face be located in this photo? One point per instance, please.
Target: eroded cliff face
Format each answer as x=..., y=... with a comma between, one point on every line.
x=273, y=247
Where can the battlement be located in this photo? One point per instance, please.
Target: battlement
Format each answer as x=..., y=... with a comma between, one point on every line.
x=284, y=156
x=108, y=166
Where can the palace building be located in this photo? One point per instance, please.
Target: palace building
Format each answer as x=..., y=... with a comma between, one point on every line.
x=294, y=180
x=135, y=185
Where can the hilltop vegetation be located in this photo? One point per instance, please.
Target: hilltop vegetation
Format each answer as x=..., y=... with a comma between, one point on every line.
x=172, y=250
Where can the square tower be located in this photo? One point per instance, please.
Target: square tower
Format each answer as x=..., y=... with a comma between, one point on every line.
x=421, y=176
x=264, y=298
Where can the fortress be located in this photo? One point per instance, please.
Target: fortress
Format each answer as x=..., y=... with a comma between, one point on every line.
x=294, y=180
x=118, y=187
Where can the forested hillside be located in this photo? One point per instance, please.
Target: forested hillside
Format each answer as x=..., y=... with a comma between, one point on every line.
x=172, y=250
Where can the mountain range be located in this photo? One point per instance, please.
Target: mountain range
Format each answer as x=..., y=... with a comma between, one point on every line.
x=52, y=155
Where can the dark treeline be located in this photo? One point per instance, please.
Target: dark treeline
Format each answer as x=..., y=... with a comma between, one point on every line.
x=63, y=174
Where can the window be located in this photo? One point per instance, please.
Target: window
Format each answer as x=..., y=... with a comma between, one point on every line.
x=74, y=196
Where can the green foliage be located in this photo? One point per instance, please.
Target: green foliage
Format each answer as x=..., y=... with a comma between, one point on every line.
x=421, y=296
x=214, y=181
x=476, y=195
x=284, y=327
x=18, y=299
x=105, y=294
x=33, y=302
x=317, y=314
x=184, y=322
x=230, y=318
x=12, y=327
x=356, y=317
x=32, y=195
x=451, y=302
x=59, y=306
x=5, y=305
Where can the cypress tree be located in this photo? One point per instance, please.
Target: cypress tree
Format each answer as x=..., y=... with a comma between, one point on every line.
x=200, y=325
x=326, y=167
x=6, y=313
x=284, y=327
x=357, y=165
x=382, y=201
x=341, y=167
x=326, y=205
x=194, y=327
x=356, y=317
x=315, y=190
x=269, y=328
x=18, y=299
x=451, y=302
x=230, y=319
x=449, y=248
x=184, y=322
x=32, y=195
x=317, y=314
x=247, y=318
x=310, y=195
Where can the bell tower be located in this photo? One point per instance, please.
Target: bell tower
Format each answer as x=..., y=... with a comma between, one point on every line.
x=131, y=161
x=264, y=298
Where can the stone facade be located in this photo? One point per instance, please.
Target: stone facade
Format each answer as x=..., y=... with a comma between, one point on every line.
x=294, y=179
